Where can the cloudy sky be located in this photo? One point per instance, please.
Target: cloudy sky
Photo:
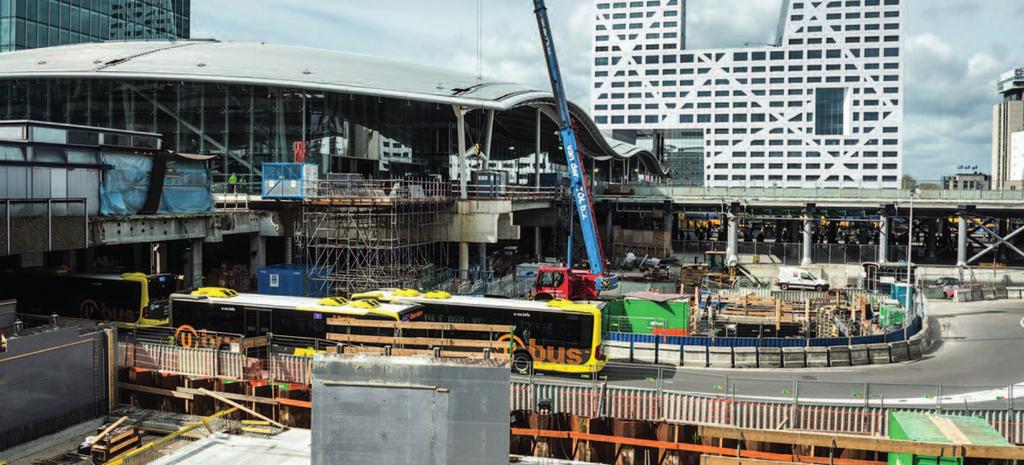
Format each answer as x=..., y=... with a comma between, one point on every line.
x=955, y=49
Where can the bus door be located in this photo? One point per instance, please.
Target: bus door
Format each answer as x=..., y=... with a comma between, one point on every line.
x=257, y=322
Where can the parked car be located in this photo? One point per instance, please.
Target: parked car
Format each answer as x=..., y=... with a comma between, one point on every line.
x=948, y=285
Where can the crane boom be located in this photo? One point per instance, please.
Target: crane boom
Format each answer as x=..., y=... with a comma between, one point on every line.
x=577, y=181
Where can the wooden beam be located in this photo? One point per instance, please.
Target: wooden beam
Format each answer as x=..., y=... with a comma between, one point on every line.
x=866, y=443
x=107, y=430
x=237, y=397
x=248, y=410
x=721, y=460
x=153, y=390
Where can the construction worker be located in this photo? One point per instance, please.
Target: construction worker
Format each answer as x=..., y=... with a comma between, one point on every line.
x=233, y=182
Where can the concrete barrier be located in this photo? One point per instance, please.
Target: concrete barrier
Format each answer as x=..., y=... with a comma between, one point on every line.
x=720, y=357
x=899, y=351
x=915, y=347
x=695, y=356
x=879, y=354
x=840, y=356
x=744, y=357
x=817, y=357
x=769, y=357
x=796, y=357
x=859, y=355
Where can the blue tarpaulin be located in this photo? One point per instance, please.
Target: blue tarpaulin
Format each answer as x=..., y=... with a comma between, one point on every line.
x=126, y=186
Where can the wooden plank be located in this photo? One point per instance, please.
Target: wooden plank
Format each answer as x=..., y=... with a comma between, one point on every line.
x=422, y=325
x=237, y=397
x=707, y=459
x=863, y=443
x=417, y=341
x=248, y=410
x=153, y=390
x=107, y=430
x=252, y=342
x=294, y=402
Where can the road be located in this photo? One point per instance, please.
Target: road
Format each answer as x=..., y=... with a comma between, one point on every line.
x=976, y=353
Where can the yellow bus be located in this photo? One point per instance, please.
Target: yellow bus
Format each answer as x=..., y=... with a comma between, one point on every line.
x=558, y=336
x=124, y=298
x=223, y=310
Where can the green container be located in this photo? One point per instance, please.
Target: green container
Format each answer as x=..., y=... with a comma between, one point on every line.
x=890, y=314
x=927, y=427
x=639, y=316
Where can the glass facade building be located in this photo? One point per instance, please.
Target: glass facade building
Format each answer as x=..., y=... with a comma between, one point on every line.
x=26, y=24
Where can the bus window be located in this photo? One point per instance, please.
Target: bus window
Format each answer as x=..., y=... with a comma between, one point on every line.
x=257, y=322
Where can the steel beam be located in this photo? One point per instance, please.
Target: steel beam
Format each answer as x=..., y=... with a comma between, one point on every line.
x=999, y=241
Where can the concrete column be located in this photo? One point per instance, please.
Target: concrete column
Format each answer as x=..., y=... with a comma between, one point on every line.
x=538, y=248
x=732, y=237
x=488, y=134
x=807, y=259
x=669, y=219
x=883, y=239
x=288, y=257
x=460, y=123
x=257, y=253
x=482, y=252
x=463, y=260
x=930, y=238
x=961, y=240
x=194, y=264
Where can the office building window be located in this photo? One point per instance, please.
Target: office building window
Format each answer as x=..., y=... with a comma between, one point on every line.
x=829, y=109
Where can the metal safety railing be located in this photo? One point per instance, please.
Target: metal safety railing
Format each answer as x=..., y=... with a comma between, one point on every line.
x=793, y=405
x=866, y=191
x=509, y=191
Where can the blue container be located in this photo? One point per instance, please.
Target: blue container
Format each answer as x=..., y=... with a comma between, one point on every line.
x=291, y=280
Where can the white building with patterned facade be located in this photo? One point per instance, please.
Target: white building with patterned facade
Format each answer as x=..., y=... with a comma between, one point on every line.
x=822, y=107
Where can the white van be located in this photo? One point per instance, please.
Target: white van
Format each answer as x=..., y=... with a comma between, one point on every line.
x=796, y=278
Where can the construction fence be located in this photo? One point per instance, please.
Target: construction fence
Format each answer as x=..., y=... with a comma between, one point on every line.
x=629, y=403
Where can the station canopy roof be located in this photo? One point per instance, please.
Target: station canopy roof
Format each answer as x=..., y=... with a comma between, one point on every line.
x=321, y=70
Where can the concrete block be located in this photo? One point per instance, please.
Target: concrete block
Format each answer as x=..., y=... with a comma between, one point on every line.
x=695, y=356
x=915, y=348
x=796, y=357
x=840, y=356
x=899, y=351
x=879, y=354
x=744, y=357
x=859, y=355
x=769, y=357
x=720, y=357
x=817, y=357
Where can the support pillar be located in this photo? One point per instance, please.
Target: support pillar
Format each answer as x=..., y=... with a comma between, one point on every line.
x=807, y=258
x=288, y=251
x=930, y=239
x=257, y=253
x=463, y=260
x=883, y=239
x=194, y=264
x=538, y=249
x=961, y=240
x=482, y=252
x=669, y=219
x=732, y=246
x=460, y=123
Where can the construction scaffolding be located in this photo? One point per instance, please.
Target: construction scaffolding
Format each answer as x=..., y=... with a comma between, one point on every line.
x=358, y=235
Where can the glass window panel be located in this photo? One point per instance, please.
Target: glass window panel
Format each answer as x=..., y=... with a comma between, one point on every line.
x=829, y=109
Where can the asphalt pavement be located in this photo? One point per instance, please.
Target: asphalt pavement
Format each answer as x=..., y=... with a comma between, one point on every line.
x=975, y=356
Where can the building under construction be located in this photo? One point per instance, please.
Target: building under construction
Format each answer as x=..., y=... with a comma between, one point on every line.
x=363, y=234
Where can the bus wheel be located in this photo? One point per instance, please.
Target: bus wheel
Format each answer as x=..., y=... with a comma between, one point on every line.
x=543, y=297
x=522, y=363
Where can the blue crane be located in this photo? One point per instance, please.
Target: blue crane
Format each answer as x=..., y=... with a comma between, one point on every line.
x=577, y=181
